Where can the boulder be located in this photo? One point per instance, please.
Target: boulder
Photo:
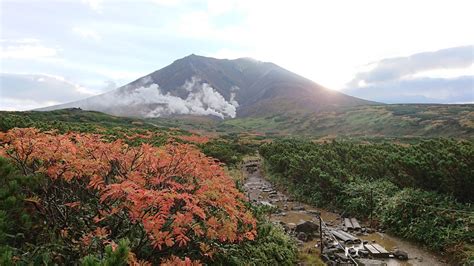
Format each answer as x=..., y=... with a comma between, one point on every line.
x=307, y=227
x=291, y=225
x=298, y=208
x=401, y=255
x=302, y=236
x=363, y=252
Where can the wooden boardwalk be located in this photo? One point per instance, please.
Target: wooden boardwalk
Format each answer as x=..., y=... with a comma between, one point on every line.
x=351, y=224
x=377, y=250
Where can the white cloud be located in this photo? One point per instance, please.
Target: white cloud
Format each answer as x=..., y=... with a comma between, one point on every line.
x=28, y=91
x=443, y=76
x=444, y=60
x=168, y=3
x=95, y=5
x=87, y=33
x=15, y=104
x=446, y=73
x=25, y=49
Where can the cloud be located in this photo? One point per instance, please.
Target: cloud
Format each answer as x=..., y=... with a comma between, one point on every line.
x=25, y=49
x=167, y=3
x=443, y=76
x=28, y=91
x=110, y=85
x=95, y=5
x=420, y=90
x=405, y=67
x=87, y=33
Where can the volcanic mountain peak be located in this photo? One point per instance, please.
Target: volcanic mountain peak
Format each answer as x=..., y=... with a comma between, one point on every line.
x=199, y=85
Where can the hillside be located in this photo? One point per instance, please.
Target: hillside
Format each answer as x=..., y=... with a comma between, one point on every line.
x=375, y=121
x=401, y=120
x=204, y=86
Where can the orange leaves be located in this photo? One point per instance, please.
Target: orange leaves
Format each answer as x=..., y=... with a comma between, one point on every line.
x=133, y=261
x=101, y=232
x=250, y=235
x=176, y=261
x=177, y=194
x=197, y=230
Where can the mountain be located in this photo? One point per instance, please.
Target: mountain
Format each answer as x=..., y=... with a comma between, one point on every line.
x=198, y=85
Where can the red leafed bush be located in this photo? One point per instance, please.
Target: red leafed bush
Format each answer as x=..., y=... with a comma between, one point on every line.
x=169, y=200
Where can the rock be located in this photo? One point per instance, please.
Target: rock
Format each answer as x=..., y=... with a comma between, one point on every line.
x=302, y=236
x=401, y=255
x=330, y=250
x=363, y=253
x=297, y=208
x=307, y=227
x=299, y=243
x=370, y=230
x=266, y=203
x=291, y=225
x=352, y=251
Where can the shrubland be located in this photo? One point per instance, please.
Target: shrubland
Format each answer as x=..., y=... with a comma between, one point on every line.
x=421, y=192
x=91, y=199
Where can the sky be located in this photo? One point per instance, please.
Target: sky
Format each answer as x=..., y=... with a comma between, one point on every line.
x=390, y=51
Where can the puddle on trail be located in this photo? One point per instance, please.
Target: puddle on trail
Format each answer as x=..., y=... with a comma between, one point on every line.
x=290, y=213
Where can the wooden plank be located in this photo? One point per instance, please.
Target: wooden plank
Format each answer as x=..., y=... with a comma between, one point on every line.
x=380, y=248
x=372, y=250
x=355, y=223
x=347, y=223
x=351, y=237
x=341, y=236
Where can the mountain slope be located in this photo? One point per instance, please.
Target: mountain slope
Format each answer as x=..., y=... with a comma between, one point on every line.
x=374, y=121
x=200, y=85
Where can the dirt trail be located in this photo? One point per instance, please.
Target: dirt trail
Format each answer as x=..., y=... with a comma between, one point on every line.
x=291, y=213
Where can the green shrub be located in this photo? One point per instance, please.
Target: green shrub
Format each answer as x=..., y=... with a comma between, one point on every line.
x=271, y=247
x=427, y=217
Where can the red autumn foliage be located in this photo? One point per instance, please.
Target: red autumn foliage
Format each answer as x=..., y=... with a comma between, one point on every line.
x=177, y=195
